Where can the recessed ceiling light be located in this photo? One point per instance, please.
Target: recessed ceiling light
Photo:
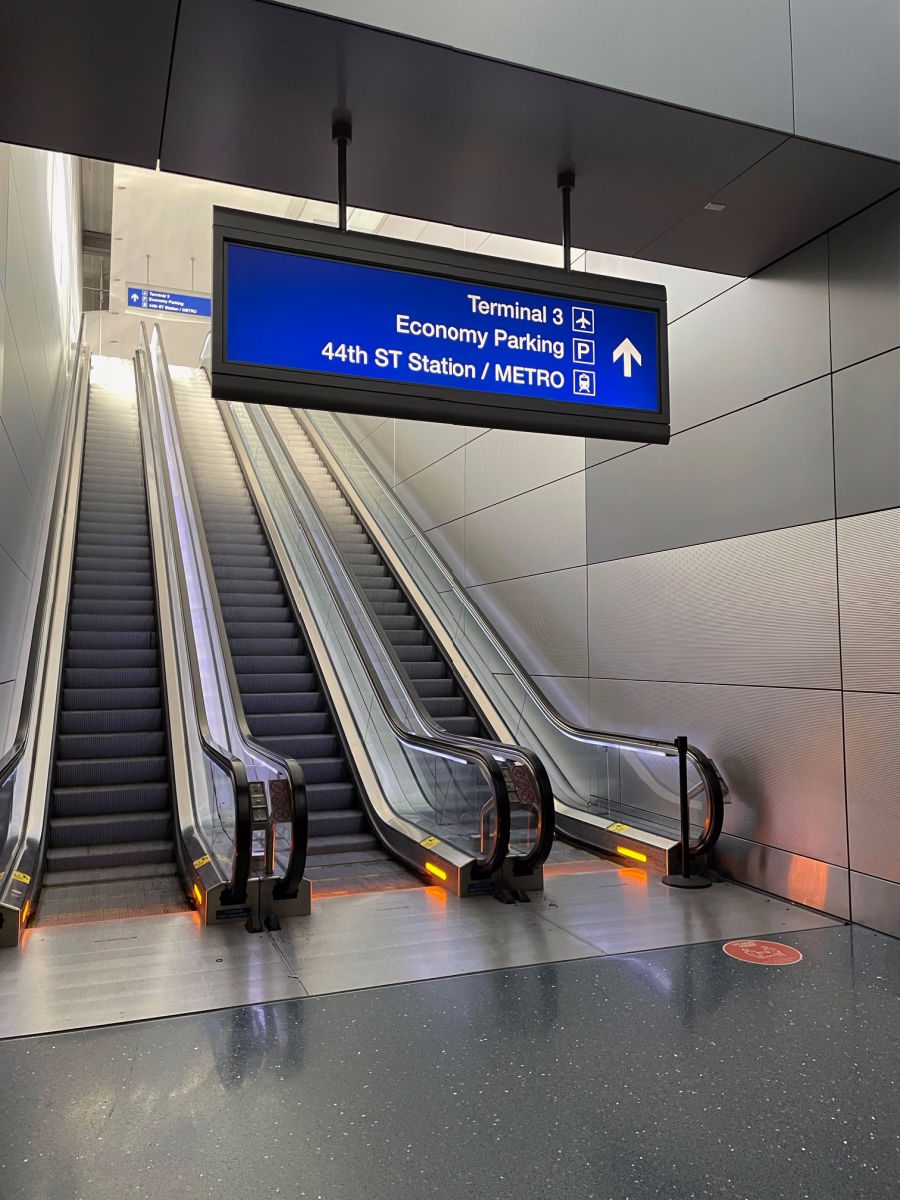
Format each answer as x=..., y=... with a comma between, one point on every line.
x=714, y=207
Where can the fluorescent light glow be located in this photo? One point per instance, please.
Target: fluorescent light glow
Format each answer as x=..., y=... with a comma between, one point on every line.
x=627, y=852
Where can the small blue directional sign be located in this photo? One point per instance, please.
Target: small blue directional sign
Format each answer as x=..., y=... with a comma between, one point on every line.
x=335, y=324
x=159, y=300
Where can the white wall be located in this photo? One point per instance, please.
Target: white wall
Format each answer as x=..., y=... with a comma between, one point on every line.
x=40, y=307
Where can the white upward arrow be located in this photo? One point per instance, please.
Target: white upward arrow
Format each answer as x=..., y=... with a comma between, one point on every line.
x=627, y=351
x=135, y=296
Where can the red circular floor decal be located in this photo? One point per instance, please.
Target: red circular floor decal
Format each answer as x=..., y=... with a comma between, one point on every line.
x=766, y=954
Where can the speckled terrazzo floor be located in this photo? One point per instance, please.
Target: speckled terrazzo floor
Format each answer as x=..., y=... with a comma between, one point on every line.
x=675, y=1073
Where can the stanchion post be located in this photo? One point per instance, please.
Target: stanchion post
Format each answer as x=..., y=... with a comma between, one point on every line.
x=685, y=879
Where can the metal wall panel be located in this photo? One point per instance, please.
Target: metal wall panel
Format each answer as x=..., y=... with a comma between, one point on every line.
x=435, y=494
x=450, y=542
x=380, y=448
x=15, y=589
x=766, y=335
x=17, y=413
x=865, y=284
x=360, y=425
x=4, y=213
x=765, y=467
x=779, y=750
x=418, y=444
x=872, y=728
x=876, y=903
x=18, y=515
x=867, y=435
x=543, y=617
x=804, y=880
x=740, y=66
x=597, y=451
x=760, y=609
x=540, y=531
x=6, y=696
x=869, y=573
x=506, y=462
x=846, y=67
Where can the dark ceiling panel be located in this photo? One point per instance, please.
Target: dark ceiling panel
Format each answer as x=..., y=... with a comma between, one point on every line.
x=795, y=193
x=86, y=76
x=437, y=134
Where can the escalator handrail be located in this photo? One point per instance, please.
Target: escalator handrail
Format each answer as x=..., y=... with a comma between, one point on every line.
x=491, y=746
x=443, y=743
x=11, y=757
x=288, y=885
x=709, y=774
x=236, y=889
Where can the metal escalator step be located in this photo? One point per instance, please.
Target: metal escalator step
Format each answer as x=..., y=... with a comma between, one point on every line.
x=445, y=706
x=110, y=677
x=118, y=608
x=109, y=829
x=115, y=576
x=117, y=656
x=221, y=558
x=424, y=652
x=302, y=745
x=276, y=724
x=271, y=664
x=248, y=647
x=465, y=726
x=421, y=671
x=323, y=797
x=429, y=688
x=273, y=628
x=105, y=856
x=86, y=772
x=256, y=703
x=103, y=875
x=96, y=559
x=70, y=904
x=388, y=608
x=110, y=640
x=396, y=621
x=110, y=720
x=254, y=612
x=325, y=770
x=85, y=698
x=261, y=603
x=109, y=798
x=331, y=822
x=367, y=571
x=138, y=743
x=247, y=574
x=321, y=846
x=286, y=681
x=414, y=636
x=97, y=621
x=113, y=590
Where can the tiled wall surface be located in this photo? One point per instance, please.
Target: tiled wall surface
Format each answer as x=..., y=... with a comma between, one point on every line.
x=40, y=301
x=741, y=585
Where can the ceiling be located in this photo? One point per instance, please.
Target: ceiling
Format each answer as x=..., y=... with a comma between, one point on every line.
x=244, y=91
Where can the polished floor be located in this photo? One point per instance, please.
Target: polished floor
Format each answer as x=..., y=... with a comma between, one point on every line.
x=678, y=1073
x=75, y=976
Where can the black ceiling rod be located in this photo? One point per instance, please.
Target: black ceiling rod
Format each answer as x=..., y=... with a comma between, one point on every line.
x=565, y=181
x=341, y=133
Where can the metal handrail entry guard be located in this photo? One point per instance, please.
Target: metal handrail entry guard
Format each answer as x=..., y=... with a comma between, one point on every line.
x=444, y=745
x=522, y=865
x=713, y=783
x=289, y=886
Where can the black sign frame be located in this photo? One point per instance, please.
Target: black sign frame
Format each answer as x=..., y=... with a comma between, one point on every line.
x=252, y=383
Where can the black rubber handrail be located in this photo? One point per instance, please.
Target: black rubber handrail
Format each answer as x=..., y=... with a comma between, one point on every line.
x=235, y=891
x=706, y=769
x=443, y=743
x=10, y=759
x=289, y=883
x=522, y=864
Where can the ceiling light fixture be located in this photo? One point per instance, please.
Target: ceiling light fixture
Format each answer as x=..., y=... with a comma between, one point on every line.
x=714, y=207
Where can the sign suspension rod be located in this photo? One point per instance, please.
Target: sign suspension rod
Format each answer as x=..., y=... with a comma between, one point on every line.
x=565, y=181
x=341, y=134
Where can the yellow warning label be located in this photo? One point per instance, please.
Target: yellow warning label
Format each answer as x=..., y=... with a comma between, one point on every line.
x=619, y=828
x=201, y=862
x=429, y=842
x=21, y=877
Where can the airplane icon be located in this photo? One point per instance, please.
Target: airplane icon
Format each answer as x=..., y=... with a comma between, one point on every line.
x=582, y=319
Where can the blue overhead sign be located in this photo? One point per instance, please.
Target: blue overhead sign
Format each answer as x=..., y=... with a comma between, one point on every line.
x=348, y=327
x=179, y=303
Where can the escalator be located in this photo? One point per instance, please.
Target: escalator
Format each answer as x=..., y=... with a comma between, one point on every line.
x=618, y=793
x=429, y=672
x=285, y=705
x=110, y=849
